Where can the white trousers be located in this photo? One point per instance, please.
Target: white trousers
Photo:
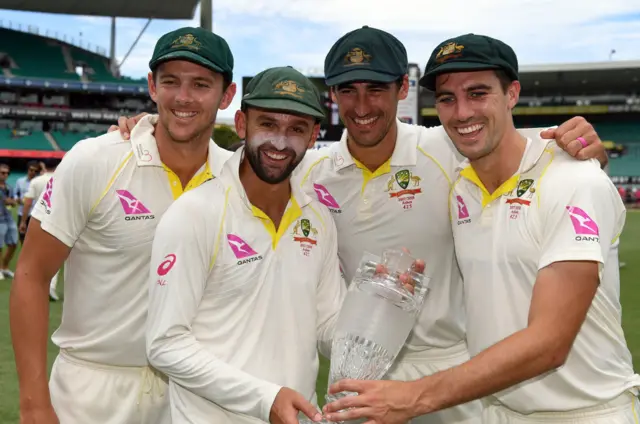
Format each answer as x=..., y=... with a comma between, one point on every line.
x=625, y=409
x=414, y=365
x=84, y=392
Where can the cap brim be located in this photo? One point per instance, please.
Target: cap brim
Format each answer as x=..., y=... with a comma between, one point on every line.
x=361, y=75
x=428, y=80
x=285, y=105
x=188, y=56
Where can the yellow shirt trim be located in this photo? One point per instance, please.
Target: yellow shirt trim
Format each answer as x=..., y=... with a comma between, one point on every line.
x=176, y=185
x=470, y=174
x=367, y=175
x=290, y=216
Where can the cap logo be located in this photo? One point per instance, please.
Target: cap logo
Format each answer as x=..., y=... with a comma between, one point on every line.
x=188, y=41
x=449, y=51
x=288, y=87
x=357, y=56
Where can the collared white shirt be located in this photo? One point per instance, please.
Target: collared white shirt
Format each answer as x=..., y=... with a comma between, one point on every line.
x=554, y=208
x=104, y=202
x=404, y=203
x=238, y=307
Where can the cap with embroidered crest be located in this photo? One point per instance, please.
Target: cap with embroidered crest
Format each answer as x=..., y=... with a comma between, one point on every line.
x=468, y=53
x=284, y=89
x=195, y=45
x=366, y=54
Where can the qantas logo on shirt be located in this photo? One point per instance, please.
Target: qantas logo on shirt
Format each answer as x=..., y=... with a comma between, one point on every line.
x=134, y=210
x=463, y=212
x=46, y=197
x=585, y=228
x=47, y=192
x=242, y=250
x=326, y=198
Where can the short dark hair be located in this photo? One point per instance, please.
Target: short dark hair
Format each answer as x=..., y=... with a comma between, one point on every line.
x=33, y=164
x=51, y=163
x=505, y=80
x=225, y=83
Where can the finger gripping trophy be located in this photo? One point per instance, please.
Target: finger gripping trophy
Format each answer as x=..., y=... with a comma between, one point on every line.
x=376, y=318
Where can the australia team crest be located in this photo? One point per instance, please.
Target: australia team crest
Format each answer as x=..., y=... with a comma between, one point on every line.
x=524, y=193
x=404, y=186
x=305, y=234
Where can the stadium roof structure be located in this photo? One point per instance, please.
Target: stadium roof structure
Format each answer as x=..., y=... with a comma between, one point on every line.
x=153, y=9
x=614, y=77
x=150, y=9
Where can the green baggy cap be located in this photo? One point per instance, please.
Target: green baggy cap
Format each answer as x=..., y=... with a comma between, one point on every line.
x=366, y=54
x=284, y=89
x=467, y=53
x=195, y=45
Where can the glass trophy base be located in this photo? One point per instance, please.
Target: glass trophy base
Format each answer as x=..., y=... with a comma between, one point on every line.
x=303, y=419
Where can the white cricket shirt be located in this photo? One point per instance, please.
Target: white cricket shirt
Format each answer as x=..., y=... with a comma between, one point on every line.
x=239, y=308
x=404, y=203
x=104, y=202
x=554, y=209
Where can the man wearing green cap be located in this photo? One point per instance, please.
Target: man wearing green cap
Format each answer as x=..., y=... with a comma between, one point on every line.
x=98, y=215
x=536, y=235
x=387, y=183
x=246, y=288
x=383, y=193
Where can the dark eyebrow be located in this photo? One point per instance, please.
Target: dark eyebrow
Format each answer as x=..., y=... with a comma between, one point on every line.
x=468, y=89
x=479, y=87
x=371, y=84
x=298, y=121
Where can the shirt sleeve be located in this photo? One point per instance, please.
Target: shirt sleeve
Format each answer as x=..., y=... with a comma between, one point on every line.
x=581, y=217
x=31, y=191
x=65, y=203
x=331, y=291
x=181, y=257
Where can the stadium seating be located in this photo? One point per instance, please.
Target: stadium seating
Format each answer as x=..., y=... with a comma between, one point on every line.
x=619, y=132
x=40, y=57
x=66, y=140
x=34, y=56
x=98, y=64
x=628, y=164
x=33, y=141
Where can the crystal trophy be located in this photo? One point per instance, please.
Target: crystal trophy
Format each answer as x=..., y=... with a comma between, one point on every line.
x=375, y=320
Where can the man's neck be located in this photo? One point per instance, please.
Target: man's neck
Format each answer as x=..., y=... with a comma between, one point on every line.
x=184, y=158
x=496, y=168
x=373, y=157
x=272, y=199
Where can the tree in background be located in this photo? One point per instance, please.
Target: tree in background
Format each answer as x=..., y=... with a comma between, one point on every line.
x=225, y=136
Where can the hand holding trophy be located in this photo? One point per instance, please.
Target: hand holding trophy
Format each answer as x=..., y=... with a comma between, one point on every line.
x=377, y=316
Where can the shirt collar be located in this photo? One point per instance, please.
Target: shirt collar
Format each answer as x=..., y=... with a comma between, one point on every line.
x=231, y=175
x=404, y=152
x=145, y=146
x=532, y=154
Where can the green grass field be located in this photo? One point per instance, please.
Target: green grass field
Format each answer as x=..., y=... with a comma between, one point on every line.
x=630, y=275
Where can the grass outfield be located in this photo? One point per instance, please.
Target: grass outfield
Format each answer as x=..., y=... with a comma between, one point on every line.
x=630, y=275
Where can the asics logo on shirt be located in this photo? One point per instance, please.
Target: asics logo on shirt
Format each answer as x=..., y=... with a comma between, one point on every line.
x=133, y=209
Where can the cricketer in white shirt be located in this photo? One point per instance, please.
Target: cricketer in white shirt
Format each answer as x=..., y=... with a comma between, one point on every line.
x=403, y=203
x=104, y=202
x=554, y=209
x=237, y=308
